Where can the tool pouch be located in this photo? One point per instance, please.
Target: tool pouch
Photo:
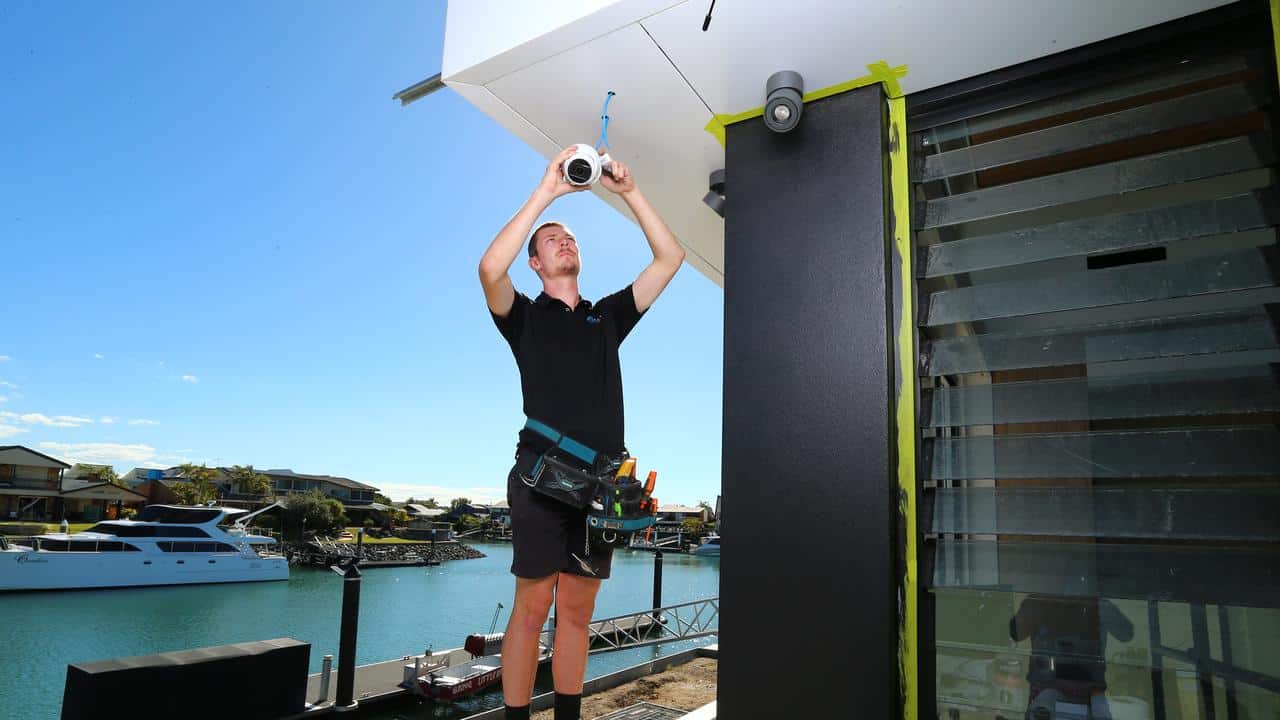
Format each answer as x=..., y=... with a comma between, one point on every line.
x=618, y=512
x=560, y=476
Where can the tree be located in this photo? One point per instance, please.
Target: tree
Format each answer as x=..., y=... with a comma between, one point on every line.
x=379, y=497
x=199, y=488
x=692, y=526
x=711, y=512
x=311, y=511
x=99, y=473
x=190, y=493
x=250, y=481
x=456, y=502
x=429, y=503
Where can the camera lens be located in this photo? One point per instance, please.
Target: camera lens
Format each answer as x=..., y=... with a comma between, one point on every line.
x=579, y=171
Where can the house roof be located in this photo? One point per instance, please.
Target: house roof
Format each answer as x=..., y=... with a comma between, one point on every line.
x=11, y=454
x=675, y=509
x=333, y=479
x=108, y=489
x=423, y=510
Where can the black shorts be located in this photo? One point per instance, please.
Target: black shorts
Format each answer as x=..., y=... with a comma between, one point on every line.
x=548, y=536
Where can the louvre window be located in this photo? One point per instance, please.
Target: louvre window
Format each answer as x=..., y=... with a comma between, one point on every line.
x=1099, y=374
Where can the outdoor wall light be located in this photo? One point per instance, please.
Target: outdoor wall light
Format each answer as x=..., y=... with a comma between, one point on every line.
x=715, y=197
x=783, y=100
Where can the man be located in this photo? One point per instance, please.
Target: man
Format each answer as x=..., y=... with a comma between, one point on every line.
x=567, y=351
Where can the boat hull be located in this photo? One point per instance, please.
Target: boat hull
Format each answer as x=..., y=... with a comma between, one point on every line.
x=470, y=686
x=45, y=570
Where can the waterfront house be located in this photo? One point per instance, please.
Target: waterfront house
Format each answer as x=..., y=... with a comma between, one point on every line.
x=500, y=513
x=139, y=475
x=417, y=511
x=467, y=508
x=676, y=514
x=37, y=487
x=30, y=483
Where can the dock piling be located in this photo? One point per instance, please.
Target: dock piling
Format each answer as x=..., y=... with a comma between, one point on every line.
x=325, y=669
x=657, y=582
x=347, y=639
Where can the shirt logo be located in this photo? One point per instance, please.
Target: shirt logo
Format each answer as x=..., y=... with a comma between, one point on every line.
x=593, y=319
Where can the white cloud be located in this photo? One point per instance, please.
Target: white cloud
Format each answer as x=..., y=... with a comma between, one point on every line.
x=97, y=356
x=442, y=494
x=101, y=453
x=4, y=358
x=7, y=384
x=142, y=421
x=62, y=421
x=3, y=399
x=190, y=379
x=106, y=420
x=10, y=431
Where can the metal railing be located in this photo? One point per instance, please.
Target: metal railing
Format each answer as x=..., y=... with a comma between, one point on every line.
x=685, y=621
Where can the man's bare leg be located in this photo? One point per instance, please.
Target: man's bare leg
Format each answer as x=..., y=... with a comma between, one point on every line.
x=520, y=644
x=575, y=602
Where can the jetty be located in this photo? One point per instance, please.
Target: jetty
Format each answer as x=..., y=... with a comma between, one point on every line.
x=382, y=681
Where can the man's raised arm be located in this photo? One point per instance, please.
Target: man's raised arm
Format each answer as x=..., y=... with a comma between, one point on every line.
x=499, y=293
x=667, y=253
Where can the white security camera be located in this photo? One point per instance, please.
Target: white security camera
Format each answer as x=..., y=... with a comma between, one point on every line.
x=585, y=165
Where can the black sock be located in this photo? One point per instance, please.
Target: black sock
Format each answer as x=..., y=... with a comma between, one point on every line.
x=568, y=706
x=517, y=713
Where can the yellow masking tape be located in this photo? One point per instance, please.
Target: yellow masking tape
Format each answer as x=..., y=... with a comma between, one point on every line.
x=877, y=72
x=1275, y=32
x=900, y=190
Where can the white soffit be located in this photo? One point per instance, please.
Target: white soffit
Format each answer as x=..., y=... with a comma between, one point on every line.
x=542, y=69
x=831, y=42
x=656, y=120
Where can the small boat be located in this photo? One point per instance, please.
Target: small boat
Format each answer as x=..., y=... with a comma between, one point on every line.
x=437, y=678
x=710, y=546
x=163, y=545
x=442, y=681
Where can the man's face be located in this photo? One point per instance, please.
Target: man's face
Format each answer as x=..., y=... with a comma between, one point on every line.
x=556, y=253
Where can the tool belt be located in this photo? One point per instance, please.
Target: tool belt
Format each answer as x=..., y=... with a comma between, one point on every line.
x=567, y=470
x=622, y=507
x=617, y=504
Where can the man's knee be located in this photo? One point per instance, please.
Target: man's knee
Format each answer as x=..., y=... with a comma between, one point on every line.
x=533, y=602
x=575, y=606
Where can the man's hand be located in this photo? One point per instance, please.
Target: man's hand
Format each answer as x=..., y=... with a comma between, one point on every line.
x=553, y=184
x=618, y=180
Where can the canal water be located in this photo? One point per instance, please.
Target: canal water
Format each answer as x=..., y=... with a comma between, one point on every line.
x=402, y=611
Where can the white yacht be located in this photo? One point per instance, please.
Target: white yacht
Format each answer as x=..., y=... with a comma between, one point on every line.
x=163, y=545
x=710, y=546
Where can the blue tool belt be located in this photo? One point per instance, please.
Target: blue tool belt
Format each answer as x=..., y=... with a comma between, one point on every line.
x=568, y=470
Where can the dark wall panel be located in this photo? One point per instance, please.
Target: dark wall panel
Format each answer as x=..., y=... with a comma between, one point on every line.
x=807, y=419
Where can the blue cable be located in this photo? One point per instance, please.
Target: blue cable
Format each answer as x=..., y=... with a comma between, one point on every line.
x=604, y=122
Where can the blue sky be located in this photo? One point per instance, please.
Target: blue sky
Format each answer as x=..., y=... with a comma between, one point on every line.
x=222, y=242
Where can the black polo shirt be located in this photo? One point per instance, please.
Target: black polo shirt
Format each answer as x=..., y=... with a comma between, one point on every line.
x=568, y=359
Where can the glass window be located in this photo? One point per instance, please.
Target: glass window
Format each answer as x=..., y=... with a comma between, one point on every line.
x=1098, y=395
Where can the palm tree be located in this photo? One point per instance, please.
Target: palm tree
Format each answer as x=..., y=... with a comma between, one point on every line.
x=199, y=488
x=250, y=481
